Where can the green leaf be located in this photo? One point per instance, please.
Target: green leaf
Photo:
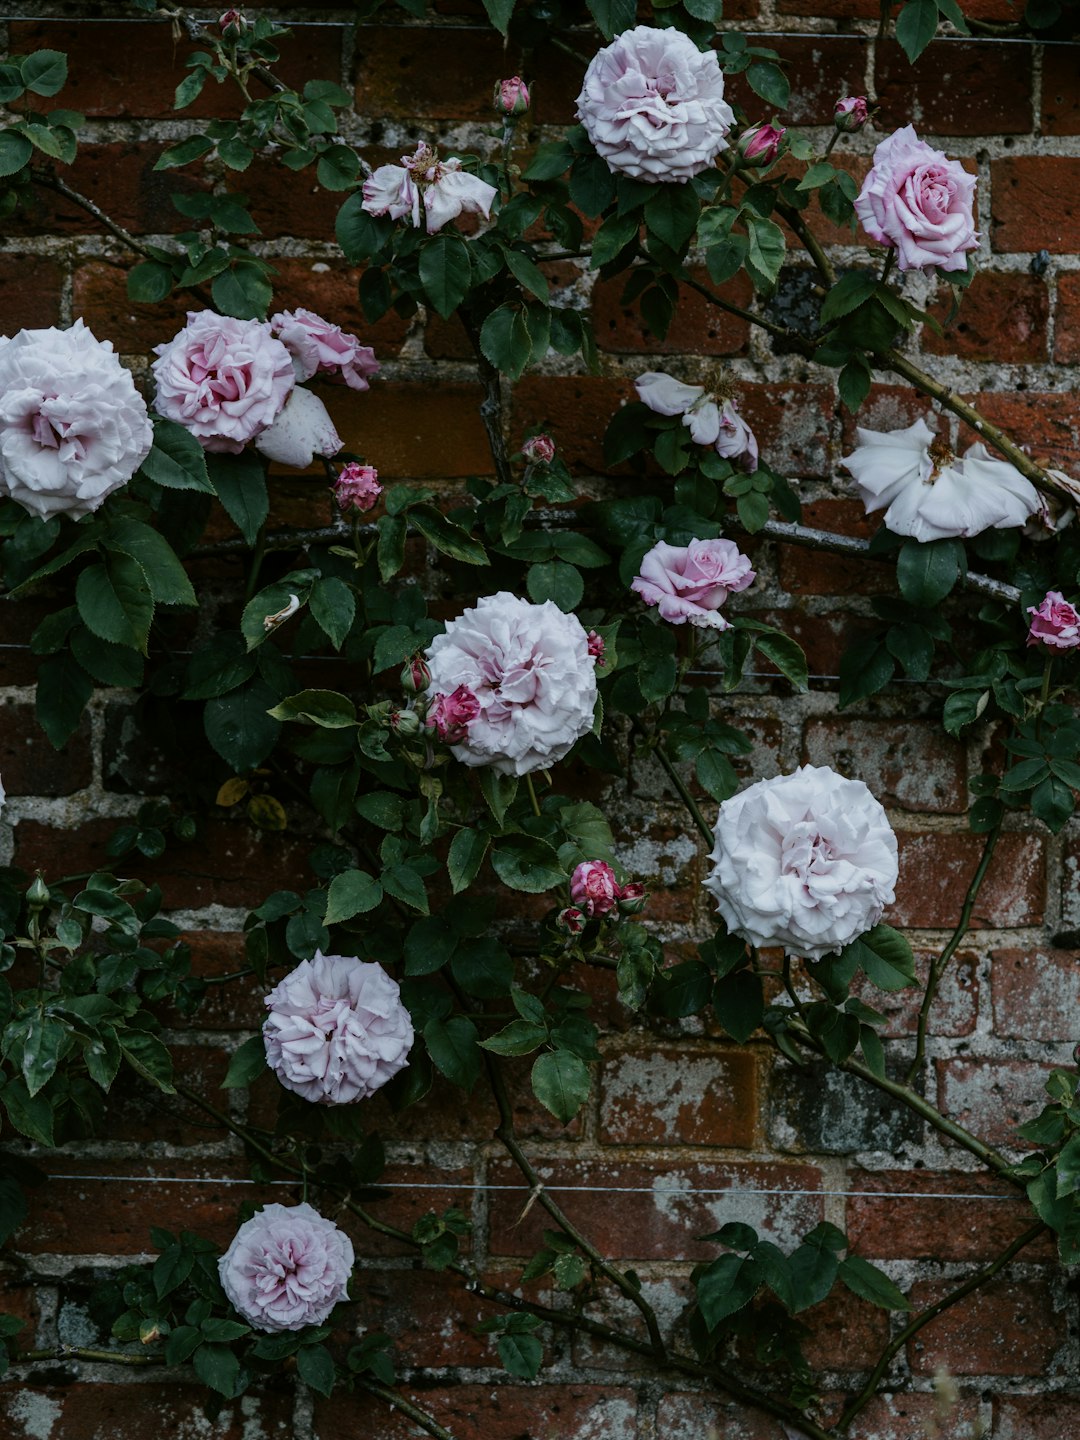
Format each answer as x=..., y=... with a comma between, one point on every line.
x=505, y=340
x=333, y=605
x=147, y=1055
x=499, y=12
x=391, y=545
x=353, y=892
x=916, y=26
x=446, y=271
x=44, y=72
x=850, y=291
x=239, y=726
x=499, y=791
x=555, y=580
x=243, y=291
x=813, y=1269
x=927, y=571
x=338, y=167
x=184, y=153
x=865, y=667
x=166, y=576
x=63, y=690
x=521, y=1355
x=171, y=1269
x=15, y=151
x=240, y=482
x=451, y=539
x=560, y=1081
x=115, y=601
x=527, y=864
x=766, y=79
x=671, y=214
x=219, y=666
x=218, y=1367
x=466, y=855
x=766, y=249
x=528, y=275
x=176, y=461
x=739, y=1003
x=725, y=1286
x=42, y=1043
x=552, y=159
x=885, y=958
x=520, y=1037
x=452, y=1045
x=406, y=885
x=870, y=1283
x=613, y=16
x=149, y=283
x=325, y=708
x=32, y=1116
x=315, y=1366
x=786, y=654
x=247, y=1064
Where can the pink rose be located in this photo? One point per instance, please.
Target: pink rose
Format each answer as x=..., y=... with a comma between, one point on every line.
x=919, y=202
x=223, y=379
x=539, y=449
x=287, y=1267
x=761, y=144
x=357, y=487
x=302, y=431
x=691, y=582
x=391, y=190
x=593, y=888
x=319, y=348
x=851, y=114
x=451, y=715
x=512, y=96
x=1055, y=623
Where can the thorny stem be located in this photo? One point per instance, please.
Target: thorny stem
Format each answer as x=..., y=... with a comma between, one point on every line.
x=74, y=1352
x=939, y=966
x=397, y=1401
x=684, y=795
x=931, y=1313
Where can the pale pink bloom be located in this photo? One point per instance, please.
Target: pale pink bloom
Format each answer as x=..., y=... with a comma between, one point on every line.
x=807, y=861
x=512, y=96
x=691, y=582
x=653, y=105
x=451, y=715
x=851, y=113
x=1055, y=623
x=539, y=449
x=319, y=348
x=761, y=144
x=446, y=188
x=337, y=1029
x=302, y=431
x=530, y=669
x=919, y=202
x=225, y=380
x=286, y=1268
x=357, y=487
x=593, y=888
x=596, y=647
x=73, y=427
x=930, y=494
x=391, y=190
x=711, y=419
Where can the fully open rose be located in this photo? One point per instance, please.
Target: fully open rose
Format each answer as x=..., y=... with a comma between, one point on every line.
x=920, y=202
x=691, y=582
x=73, y=428
x=287, y=1267
x=530, y=670
x=653, y=105
x=806, y=861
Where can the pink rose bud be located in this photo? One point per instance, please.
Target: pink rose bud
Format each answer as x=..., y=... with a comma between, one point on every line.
x=451, y=715
x=512, y=96
x=539, y=449
x=632, y=898
x=233, y=20
x=761, y=144
x=357, y=488
x=594, y=888
x=405, y=723
x=596, y=648
x=1055, y=623
x=415, y=675
x=570, y=920
x=851, y=114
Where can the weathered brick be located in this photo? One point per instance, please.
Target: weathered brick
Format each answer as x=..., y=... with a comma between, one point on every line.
x=904, y=765
x=1060, y=92
x=885, y=1226
x=136, y=1111
x=577, y=409
x=1036, y=1417
x=886, y=407
x=1008, y=1327
x=698, y=327
x=819, y=1110
x=91, y=1411
x=415, y=430
x=846, y=1333
x=1036, y=994
x=820, y=67
x=700, y=1417
x=28, y=762
x=1046, y=423
x=488, y=1412
x=30, y=285
x=233, y=1006
x=1000, y=314
x=1067, y=326
x=936, y=869
x=1035, y=203
x=649, y=1211
x=956, y=89
x=907, y=1416
x=816, y=572
x=667, y=1096
x=956, y=1003
x=992, y=1097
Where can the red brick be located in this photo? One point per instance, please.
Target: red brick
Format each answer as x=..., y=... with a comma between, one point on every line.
x=816, y=572
x=28, y=762
x=416, y=1190
x=235, y=1006
x=699, y=328
x=578, y=408
x=1008, y=1327
x=416, y=430
x=795, y=425
x=846, y=1333
x=891, y=1228
x=133, y=68
x=820, y=67
x=824, y=638
x=703, y=1417
x=956, y=88
x=1036, y=994
x=1046, y=423
x=652, y=1220
x=909, y=1417
x=90, y=1411
x=1060, y=92
x=992, y=1097
x=1035, y=203
x=956, y=1003
x=668, y=1096
x=18, y=1298
x=935, y=871
x=1036, y=1417
x=1067, y=326
x=887, y=407
x=915, y=768
x=30, y=285
x=488, y=1412
x=1000, y=315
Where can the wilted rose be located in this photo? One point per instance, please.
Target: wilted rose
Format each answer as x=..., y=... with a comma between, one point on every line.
x=451, y=715
x=539, y=449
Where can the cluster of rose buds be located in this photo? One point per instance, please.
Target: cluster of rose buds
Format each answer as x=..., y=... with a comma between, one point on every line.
x=596, y=893
x=357, y=488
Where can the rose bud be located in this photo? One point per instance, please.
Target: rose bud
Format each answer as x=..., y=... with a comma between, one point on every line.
x=571, y=921
x=357, y=488
x=539, y=450
x=233, y=24
x=851, y=114
x=761, y=144
x=511, y=96
x=596, y=647
x=415, y=675
x=405, y=723
x=593, y=887
x=1054, y=623
x=632, y=898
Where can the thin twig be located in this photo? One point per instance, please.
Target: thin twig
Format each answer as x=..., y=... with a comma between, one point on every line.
x=47, y=181
x=397, y=1401
x=74, y=1352
x=685, y=796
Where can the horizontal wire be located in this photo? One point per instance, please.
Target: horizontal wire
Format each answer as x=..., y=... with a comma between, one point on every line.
x=561, y=1189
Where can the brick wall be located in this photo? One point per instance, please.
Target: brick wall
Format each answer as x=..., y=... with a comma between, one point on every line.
x=675, y=1110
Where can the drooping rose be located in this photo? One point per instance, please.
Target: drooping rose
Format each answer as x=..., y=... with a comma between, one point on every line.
x=1054, y=622
x=761, y=144
x=653, y=105
x=807, y=861
x=451, y=715
x=851, y=113
x=319, y=348
x=919, y=202
x=691, y=582
x=287, y=1267
x=357, y=488
x=593, y=888
x=530, y=669
x=302, y=431
x=337, y=1029
x=712, y=418
x=930, y=494
x=446, y=189
x=225, y=380
x=391, y=190
x=73, y=428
